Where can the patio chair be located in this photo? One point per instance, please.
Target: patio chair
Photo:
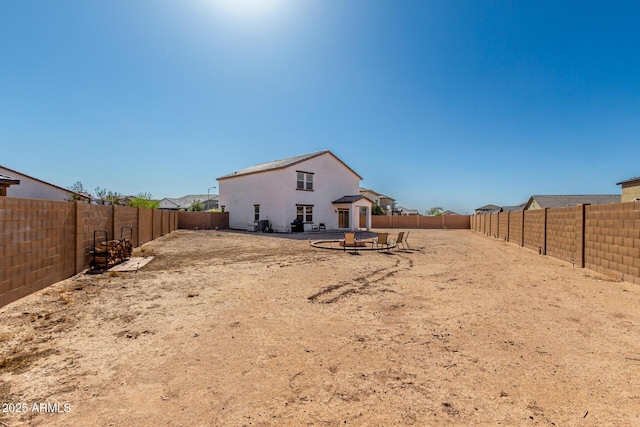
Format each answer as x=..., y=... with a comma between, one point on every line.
x=382, y=241
x=322, y=227
x=350, y=241
x=400, y=240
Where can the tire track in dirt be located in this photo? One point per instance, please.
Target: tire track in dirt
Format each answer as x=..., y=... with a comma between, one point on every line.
x=361, y=284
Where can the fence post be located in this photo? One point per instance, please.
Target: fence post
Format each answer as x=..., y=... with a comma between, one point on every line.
x=138, y=226
x=75, y=237
x=113, y=221
x=544, y=239
x=508, y=225
x=522, y=235
x=580, y=244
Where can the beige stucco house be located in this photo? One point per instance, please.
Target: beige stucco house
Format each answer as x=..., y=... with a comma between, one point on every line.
x=630, y=190
x=388, y=204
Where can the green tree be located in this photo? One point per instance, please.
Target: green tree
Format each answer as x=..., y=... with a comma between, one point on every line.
x=101, y=195
x=377, y=210
x=144, y=200
x=436, y=211
x=77, y=188
x=196, y=206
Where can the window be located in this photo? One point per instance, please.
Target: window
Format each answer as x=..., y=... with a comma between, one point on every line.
x=222, y=208
x=305, y=181
x=304, y=213
x=256, y=212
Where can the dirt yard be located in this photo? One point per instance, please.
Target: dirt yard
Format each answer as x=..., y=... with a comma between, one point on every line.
x=235, y=329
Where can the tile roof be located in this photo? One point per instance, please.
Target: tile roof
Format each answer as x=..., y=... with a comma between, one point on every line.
x=283, y=163
x=349, y=199
x=489, y=208
x=515, y=208
x=630, y=181
x=185, y=202
x=6, y=179
x=559, y=201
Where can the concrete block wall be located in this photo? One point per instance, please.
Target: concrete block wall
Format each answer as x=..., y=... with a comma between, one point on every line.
x=126, y=224
x=612, y=240
x=36, y=245
x=156, y=224
x=202, y=220
x=516, y=222
x=494, y=224
x=43, y=242
x=91, y=218
x=534, y=230
x=485, y=224
x=503, y=226
x=604, y=238
x=145, y=226
x=562, y=233
x=419, y=221
x=166, y=218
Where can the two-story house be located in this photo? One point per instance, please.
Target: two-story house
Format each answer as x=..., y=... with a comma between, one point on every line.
x=388, y=204
x=311, y=189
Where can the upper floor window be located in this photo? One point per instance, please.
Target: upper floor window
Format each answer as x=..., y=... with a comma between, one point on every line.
x=305, y=181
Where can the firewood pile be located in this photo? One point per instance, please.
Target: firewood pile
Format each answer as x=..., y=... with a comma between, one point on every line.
x=107, y=254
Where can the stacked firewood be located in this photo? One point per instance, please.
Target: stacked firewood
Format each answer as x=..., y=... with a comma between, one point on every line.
x=108, y=254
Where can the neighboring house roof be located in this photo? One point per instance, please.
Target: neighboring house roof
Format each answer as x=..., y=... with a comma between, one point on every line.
x=283, y=163
x=516, y=208
x=559, y=201
x=5, y=179
x=489, y=209
x=80, y=195
x=185, y=202
x=448, y=212
x=351, y=199
x=380, y=195
x=635, y=180
x=407, y=210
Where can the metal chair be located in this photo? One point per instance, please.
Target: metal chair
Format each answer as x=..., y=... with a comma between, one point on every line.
x=382, y=240
x=350, y=241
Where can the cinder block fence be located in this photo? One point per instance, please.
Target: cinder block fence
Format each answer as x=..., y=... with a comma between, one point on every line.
x=43, y=242
x=604, y=238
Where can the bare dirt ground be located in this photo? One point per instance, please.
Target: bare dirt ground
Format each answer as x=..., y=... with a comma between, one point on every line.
x=236, y=329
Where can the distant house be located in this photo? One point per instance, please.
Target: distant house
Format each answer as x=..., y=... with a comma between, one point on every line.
x=448, y=212
x=209, y=201
x=6, y=182
x=630, y=190
x=301, y=191
x=560, y=201
x=488, y=209
x=23, y=186
x=514, y=208
x=401, y=210
x=388, y=204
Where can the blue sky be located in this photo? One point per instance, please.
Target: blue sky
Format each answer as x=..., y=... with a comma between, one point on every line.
x=435, y=103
